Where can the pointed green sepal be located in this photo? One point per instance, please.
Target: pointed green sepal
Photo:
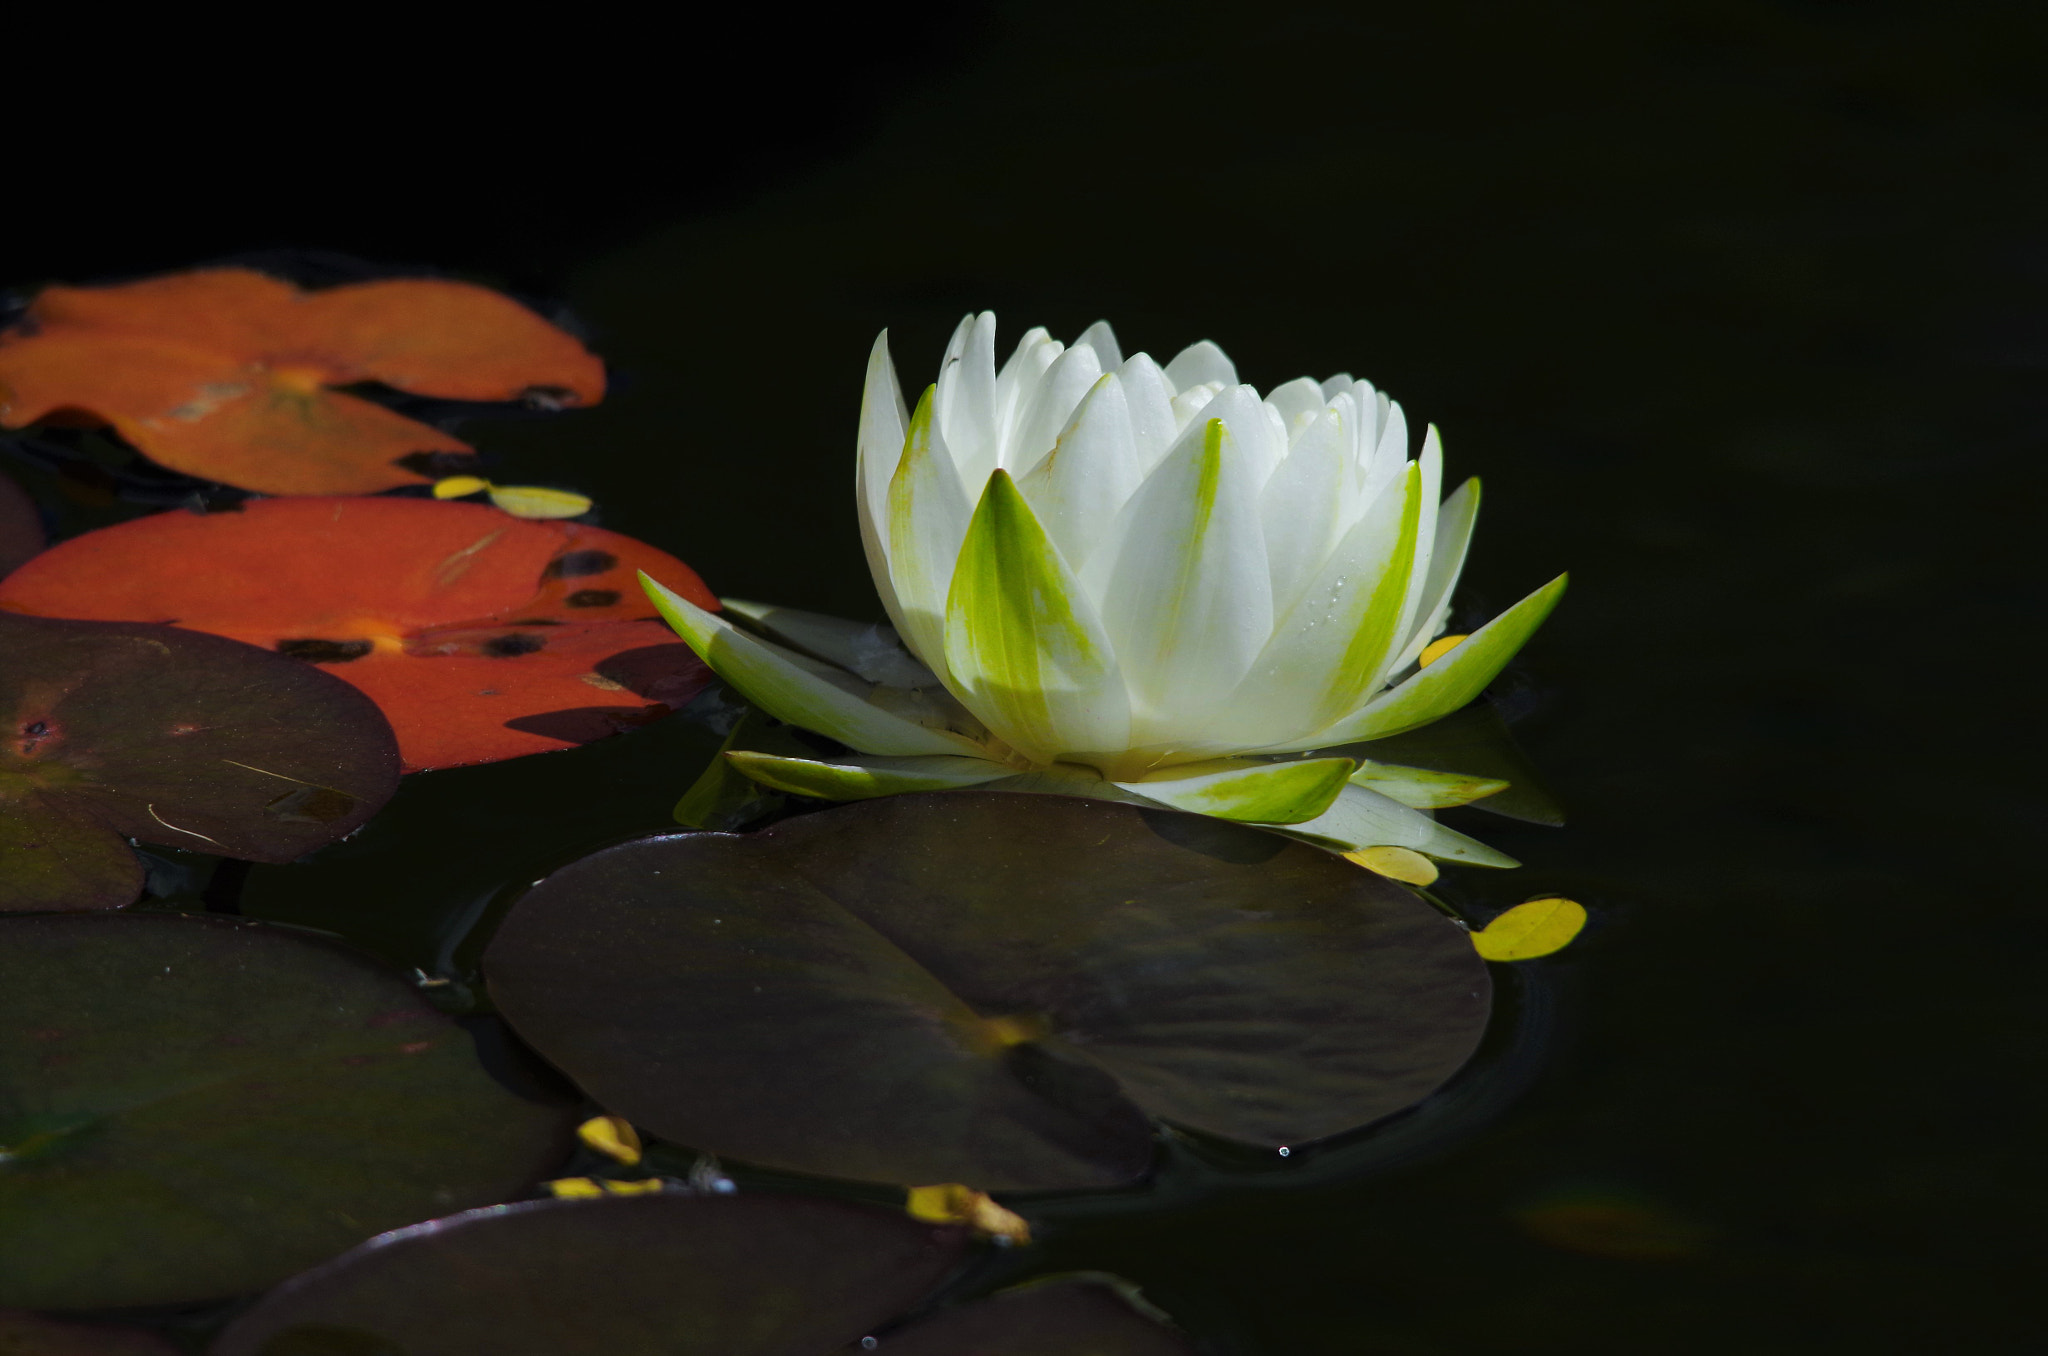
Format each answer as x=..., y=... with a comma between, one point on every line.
x=1442, y=687
x=855, y=778
x=1257, y=793
x=795, y=689
x=1359, y=818
x=1420, y=788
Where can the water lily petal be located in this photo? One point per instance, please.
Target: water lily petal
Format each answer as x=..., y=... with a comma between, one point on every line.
x=1299, y=403
x=1187, y=598
x=1198, y=363
x=790, y=687
x=1299, y=505
x=966, y=404
x=927, y=517
x=1328, y=651
x=1017, y=384
x=874, y=653
x=1451, y=681
x=1027, y=652
x=1431, y=465
x=1446, y=562
x=1150, y=397
x=880, y=447
x=1359, y=818
x=862, y=777
x=1100, y=337
x=1421, y=788
x=1077, y=491
x=1255, y=430
x=1192, y=402
x=1261, y=793
x=1059, y=393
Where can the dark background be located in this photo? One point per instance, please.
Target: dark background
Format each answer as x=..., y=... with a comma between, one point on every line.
x=1741, y=308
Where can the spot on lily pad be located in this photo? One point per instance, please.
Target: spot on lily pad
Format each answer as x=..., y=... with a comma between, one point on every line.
x=110, y=732
x=478, y=634
x=986, y=988
x=227, y=373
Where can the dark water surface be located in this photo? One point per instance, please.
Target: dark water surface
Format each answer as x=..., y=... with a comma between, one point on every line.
x=1741, y=310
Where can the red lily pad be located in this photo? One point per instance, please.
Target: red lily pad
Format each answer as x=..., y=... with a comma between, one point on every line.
x=480, y=635
x=227, y=373
x=113, y=732
x=21, y=527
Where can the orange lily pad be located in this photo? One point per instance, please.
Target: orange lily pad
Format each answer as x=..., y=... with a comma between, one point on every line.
x=480, y=635
x=226, y=373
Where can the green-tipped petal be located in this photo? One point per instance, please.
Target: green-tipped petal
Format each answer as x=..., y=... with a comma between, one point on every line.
x=1421, y=788
x=1027, y=653
x=874, y=652
x=1451, y=681
x=792, y=688
x=854, y=778
x=927, y=512
x=1261, y=793
x=1359, y=818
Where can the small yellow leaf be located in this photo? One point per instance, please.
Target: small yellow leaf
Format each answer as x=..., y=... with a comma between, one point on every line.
x=646, y=1186
x=612, y=1137
x=532, y=501
x=574, y=1188
x=1396, y=863
x=1438, y=648
x=454, y=487
x=953, y=1203
x=1529, y=930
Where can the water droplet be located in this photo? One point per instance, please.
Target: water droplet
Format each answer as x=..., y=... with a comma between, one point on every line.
x=1285, y=1151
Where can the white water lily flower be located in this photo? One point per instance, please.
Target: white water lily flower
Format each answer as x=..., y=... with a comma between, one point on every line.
x=1138, y=583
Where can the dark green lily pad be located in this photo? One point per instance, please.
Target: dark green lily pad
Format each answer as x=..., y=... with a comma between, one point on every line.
x=24, y=1334
x=193, y=1107
x=986, y=988
x=1064, y=1317
x=112, y=731
x=21, y=536
x=669, y=1275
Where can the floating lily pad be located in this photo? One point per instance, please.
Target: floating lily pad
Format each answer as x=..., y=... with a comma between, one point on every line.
x=23, y=1334
x=114, y=732
x=193, y=1107
x=986, y=988
x=1065, y=1317
x=482, y=636
x=227, y=373
x=663, y=1275
x=21, y=527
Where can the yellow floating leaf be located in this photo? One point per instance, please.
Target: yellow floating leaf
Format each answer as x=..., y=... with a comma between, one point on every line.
x=1396, y=863
x=532, y=501
x=1529, y=930
x=612, y=1137
x=455, y=487
x=1438, y=648
x=646, y=1186
x=575, y=1188
x=953, y=1203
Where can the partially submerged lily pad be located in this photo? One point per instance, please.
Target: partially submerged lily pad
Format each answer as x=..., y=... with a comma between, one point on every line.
x=193, y=1107
x=665, y=1275
x=25, y=1334
x=110, y=732
x=228, y=374
x=674, y=1275
x=482, y=636
x=986, y=988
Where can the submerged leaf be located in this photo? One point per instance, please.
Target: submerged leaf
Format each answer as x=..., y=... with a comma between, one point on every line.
x=481, y=636
x=985, y=988
x=110, y=732
x=226, y=373
x=193, y=1107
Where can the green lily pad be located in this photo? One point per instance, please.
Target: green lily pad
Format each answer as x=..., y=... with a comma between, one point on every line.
x=24, y=1334
x=988, y=988
x=193, y=1107
x=111, y=731
x=21, y=536
x=668, y=1275
x=1061, y=1317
